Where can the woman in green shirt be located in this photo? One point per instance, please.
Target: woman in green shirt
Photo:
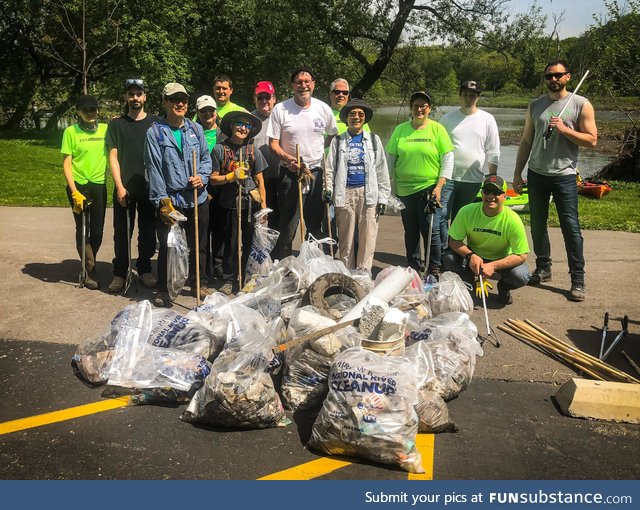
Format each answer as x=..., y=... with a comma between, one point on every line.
x=420, y=159
x=84, y=162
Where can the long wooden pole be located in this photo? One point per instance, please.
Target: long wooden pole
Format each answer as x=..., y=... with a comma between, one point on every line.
x=239, y=241
x=300, y=201
x=195, y=228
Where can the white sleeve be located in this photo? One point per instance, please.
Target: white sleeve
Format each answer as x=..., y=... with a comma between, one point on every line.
x=273, y=131
x=382, y=173
x=492, y=143
x=446, y=165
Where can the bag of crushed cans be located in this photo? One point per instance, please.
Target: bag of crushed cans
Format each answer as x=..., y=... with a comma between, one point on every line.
x=370, y=410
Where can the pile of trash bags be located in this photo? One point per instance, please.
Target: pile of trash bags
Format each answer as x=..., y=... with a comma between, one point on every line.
x=374, y=370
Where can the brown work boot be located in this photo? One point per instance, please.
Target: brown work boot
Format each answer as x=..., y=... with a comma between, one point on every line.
x=90, y=282
x=90, y=265
x=116, y=285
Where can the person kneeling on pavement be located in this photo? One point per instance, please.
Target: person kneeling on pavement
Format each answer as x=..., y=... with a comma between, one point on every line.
x=496, y=242
x=236, y=163
x=168, y=157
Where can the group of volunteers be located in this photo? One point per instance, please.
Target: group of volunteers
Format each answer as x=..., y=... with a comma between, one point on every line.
x=300, y=156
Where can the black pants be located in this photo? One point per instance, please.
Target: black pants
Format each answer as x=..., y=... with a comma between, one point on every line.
x=271, y=187
x=230, y=253
x=146, y=233
x=96, y=194
x=416, y=223
x=215, y=239
x=290, y=213
x=163, y=232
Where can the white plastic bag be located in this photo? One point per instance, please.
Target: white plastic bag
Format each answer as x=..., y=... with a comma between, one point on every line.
x=177, y=256
x=394, y=204
x=264, y=240
x=370, y=410
x=316, y=263
x=450, y=295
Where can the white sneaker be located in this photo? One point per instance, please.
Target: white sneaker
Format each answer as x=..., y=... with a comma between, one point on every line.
x=148, y=280
x=116, y=285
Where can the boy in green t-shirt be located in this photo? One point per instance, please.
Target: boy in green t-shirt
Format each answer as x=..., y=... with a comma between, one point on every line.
x=496, y=242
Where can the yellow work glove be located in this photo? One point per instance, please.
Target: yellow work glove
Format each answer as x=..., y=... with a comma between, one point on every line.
x=239, y=174
x=166, y=207
x=484, y=288
x=78, y=201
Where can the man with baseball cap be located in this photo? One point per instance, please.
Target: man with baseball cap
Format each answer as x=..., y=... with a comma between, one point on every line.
x=125, y=144
x=168, y=155
x=488, y=238
x=264, y=98
x=476, y=153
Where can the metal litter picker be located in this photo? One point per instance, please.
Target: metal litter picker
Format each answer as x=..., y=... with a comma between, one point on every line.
x=83, y=271
x=491, y=335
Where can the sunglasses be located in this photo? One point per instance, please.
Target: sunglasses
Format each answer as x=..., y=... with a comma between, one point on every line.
x=179, y=99
x=417, y=107
x=240, y=123
x=264, y=97
x=557, y=76
x=492, y=191
x=134, y=81
x=340, y=92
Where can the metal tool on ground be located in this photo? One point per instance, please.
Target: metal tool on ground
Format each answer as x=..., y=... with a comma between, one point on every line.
x=549, y=130
x=432, y=204
x=633, y=364
x=239, y=219
x=625, y=331
x=83, y=270
x=300, y=201
x=605, y=328
x=195, y=228
x=129, y=278
x=491, y=335
x=327, y=207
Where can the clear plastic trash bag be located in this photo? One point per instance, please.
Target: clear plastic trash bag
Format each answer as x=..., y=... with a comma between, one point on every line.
x=177, y=256
x=264, y=240
x=450, y=295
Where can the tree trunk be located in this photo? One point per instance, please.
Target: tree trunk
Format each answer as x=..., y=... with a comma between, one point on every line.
x=22, y=108
x=52, y=123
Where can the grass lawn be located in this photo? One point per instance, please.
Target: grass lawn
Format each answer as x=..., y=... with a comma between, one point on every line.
x=31, y=176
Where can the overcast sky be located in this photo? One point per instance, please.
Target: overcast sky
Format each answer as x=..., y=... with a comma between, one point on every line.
x=578, y=14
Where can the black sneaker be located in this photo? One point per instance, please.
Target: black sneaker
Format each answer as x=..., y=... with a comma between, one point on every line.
x=162, y=299
x=504, y=293
x=539, y=275
x=578, y=291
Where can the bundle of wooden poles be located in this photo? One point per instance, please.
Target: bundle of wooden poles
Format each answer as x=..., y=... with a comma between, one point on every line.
x=532, y=334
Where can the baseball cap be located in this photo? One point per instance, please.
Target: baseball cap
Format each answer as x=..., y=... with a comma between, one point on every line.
x=204, y=101
x=265, y=86
x=171, y=89
x=470, y=85
x=133, y=82
x=494, y=183
x=85, y=101
x=422, y=94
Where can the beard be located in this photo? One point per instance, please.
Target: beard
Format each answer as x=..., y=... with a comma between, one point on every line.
x=136, y=105
x=555, y=86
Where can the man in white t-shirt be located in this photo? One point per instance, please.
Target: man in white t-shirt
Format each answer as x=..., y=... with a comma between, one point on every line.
x=308, y=122
x=476, y=153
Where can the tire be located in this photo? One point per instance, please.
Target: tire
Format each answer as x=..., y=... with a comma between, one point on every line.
x=331, y=284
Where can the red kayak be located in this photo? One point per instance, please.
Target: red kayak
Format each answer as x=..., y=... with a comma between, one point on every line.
x=594, y=188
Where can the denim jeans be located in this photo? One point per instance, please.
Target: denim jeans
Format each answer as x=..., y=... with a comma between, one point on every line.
x=416, y=221
x=565, y=195
x=514, y=277
x=455, y=195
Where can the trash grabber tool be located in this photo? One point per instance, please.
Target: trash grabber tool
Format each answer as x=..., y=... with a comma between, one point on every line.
x=195, y=229
x=327, y=207
x=239, y=211
x=430, y=208
x=300, y=201
x=625, y=330
x=129, y=279
x=83, y=271
x=549, y=130
x=490, y=333
x=605, y=328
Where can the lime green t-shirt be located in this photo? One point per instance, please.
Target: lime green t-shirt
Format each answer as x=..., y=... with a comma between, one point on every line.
x=211, y=135
x=88, y=153
x=418, y=155
x=342, y=127
x=491, y=237
x=229, y=107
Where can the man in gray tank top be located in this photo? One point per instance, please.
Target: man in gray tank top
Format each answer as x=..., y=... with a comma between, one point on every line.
x=552, y=171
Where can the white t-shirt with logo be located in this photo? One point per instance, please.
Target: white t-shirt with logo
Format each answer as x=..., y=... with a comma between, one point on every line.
x=292, y=124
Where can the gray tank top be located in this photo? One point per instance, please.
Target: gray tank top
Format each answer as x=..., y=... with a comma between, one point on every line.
x=560, y=156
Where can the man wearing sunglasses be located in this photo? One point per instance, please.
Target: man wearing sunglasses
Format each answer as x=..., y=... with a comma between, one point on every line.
x=168, y=158
x=339, y=96
x=552, y=162
x=488, y=238
x=125, y=143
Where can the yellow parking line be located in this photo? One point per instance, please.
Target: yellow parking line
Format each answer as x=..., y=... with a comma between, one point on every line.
x=308, y=470
x=65, y=414
x=425, y=444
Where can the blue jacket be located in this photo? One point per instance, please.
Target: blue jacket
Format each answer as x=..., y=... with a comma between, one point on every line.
x=168, y=169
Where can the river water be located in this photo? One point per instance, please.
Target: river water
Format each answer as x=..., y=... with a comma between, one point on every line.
x=508, y=119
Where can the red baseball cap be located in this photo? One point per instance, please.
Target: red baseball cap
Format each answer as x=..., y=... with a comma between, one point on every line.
x=265, y=86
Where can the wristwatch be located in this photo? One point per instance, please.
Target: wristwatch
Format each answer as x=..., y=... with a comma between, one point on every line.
x=468, y=256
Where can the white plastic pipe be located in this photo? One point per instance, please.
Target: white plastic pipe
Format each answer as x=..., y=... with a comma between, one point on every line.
x=388, y=288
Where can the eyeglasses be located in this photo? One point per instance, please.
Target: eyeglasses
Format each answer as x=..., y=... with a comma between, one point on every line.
x=340, y=92
x=492, y=191
x=418, y=107
x=241, y=123
x=179, y=99
x=264, y=97
x=134, y=81
x=356, y=114
x=557, y=76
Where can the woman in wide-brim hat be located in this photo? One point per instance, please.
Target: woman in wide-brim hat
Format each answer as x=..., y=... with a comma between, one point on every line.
x=226, y=126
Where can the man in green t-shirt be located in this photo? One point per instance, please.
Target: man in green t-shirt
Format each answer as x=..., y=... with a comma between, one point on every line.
x=339, y=95
x=496, y=242
x=222, y=90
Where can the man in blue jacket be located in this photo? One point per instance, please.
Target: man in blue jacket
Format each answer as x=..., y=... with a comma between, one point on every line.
x=168, y=156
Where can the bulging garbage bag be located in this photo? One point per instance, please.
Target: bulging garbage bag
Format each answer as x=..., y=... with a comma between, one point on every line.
x=370, y=410
x=177, y=257
x=450, y=294
x=264, y=240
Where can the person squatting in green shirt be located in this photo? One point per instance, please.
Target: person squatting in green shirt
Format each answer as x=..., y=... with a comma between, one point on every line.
x=84, y=162
x=496, y=242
